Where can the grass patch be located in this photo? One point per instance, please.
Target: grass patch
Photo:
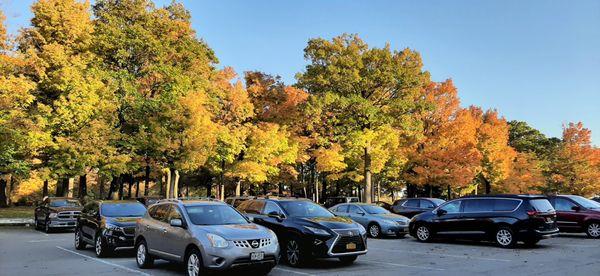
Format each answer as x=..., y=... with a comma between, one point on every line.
x=17, y=212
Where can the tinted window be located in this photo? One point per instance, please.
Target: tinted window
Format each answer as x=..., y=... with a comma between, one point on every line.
x=342, y=209
x=452, y=207
x=304, y=209
x=123, y=210
x=412, y=203
x=239, y=201
x=374, y=210
x=478, y=205
x=159, y=212
x=173, y=213
x=561, y=204
x=353, y=209
x=243, y=206
x=427, y=204
x=64, y=203
x=271, y=207
x=585, y=203
x=214, y=215
x=254, y=207
x=437, y=201
x=505, y=204
x=541, y=205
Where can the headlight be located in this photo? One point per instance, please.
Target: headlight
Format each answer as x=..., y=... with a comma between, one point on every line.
x=217, y=241
x=109, y=229
x=361, y=229
x=273, y=235
x=317, y=231
x=53, y=215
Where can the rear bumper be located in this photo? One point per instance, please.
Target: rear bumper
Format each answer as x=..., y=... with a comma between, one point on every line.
x=539, y=234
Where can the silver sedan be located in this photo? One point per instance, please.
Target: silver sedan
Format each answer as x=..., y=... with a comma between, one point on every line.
x=378, y=221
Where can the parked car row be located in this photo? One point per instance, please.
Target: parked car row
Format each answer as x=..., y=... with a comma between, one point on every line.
x=207, y=234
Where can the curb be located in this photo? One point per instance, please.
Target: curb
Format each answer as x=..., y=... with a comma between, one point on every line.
x=16, y=222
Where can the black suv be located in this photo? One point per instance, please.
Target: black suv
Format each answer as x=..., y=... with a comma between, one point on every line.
x=57, y=212
x=410, y=207
x=504, y=219
x=306, y=230
x=108, y=225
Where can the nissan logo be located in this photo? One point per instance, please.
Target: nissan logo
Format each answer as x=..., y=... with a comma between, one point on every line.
x=255, y=244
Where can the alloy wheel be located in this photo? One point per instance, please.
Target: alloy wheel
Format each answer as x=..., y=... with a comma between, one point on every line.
x=193, y=265
x=594, y=230
x=374, y=231
x=504, y=237
x=77, y=239
x=99, y=246
x=292, y=252
x=141, y=254
x=423, y=233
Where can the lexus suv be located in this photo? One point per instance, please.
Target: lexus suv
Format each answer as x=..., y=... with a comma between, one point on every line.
x=577, y=214
x=306, y=230
x=57, y=212
x=108, y=225
x=410, y=207
x=504, y=219
x=204, y=235
x=377, y=221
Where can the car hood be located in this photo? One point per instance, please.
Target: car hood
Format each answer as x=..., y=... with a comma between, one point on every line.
x=236, y=231
x=65, y=209
x=330, y=223
x=390, y=216
x=122, y=221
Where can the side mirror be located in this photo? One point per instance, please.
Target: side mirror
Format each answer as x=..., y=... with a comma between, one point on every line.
x=176, y=223
x=576, y=208
x=275, y=214
x=441, y=212
x=361, y=213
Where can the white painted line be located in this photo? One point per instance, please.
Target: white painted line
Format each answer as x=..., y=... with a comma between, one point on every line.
x=580, y=245
x=404, y=265
x=46, y=240
x=293, y=271
x=104, y=262
x=447, y=255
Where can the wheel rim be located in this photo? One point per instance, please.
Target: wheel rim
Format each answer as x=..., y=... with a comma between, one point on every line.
x=77, y=238
x=423, y=233
x=504, y=237
x=193, y=265
x=594, y=230
x=141, y=254
x=292, y=252
x=374, y=230
x=98, y=246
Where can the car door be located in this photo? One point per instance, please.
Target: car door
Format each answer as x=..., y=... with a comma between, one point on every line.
x=341, y=210
x=156, y=228
x=567, y=219
x=476, y=217
x=275, y=224
x=410, y=208
x=175, y=238
x=358, y=215
x=88, y=221
x=446, y=222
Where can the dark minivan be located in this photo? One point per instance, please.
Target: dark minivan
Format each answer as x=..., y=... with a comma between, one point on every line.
x=410, y=207
x=306, y=230
x=577, y=214
x=504, y=219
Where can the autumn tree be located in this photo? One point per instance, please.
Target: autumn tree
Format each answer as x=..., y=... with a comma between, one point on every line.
x=377, y=87
x=525, y=176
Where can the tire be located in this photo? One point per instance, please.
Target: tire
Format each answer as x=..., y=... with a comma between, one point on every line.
x=142, y=257
x=374, y=230
x=423, y=233
x=592, y=229
x=79, y=242
x=37, y=223
x=193, y=263
x=347, y=260
x=293, y=253
x=101, y=248
x=531, y=242
x=47, y=227
x=505, y=237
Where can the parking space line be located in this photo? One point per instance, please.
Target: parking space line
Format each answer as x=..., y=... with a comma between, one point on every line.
x=293, y=271
x=404, y=265
x=447, y=255
x=103, y=261
x=45, y=240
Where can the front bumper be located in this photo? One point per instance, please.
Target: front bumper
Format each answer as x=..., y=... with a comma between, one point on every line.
x=337, y=246
x=62, y=223
x=236, y=257
x=117, y=239
x=394, y=230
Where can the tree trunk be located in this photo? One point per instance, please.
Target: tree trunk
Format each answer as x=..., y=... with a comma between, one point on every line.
x=101, y=187
x=175, y=183
x=70, y=186
x=169, y=192
x=146, y=180
x=11, y=186
x=129, y=192
x=379, y=190
x=121, y=188
x=221, y=187
x=238, y=187
x=367, y=198
x=137, y=189
x=45, y=189
x=82, y=186
x=112, y=187
x=449, y=193
x=3, y=196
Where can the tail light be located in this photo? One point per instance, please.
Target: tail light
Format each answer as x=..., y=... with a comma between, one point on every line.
x=532, y=213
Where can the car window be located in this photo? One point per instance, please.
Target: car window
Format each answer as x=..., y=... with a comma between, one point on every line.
x=239, y=201
x=64, y=203
x=342, y=208
x=411, y=203
x=398, y=202
x=375, y=210
x=504, y=205
x=585, y=203
x=478, y=205
x=561, y=204
x=159, y=212
x=254, y=207
x=452, y=207
x=214, y=214
x=173, y=213
x=271, y=207
x=302, y=209
x=426, y=204
x=353, y=209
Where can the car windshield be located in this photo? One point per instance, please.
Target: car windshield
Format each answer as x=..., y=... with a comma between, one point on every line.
x=214, y=215
x=65, y=203
x=123, y=210
x=374, y=210
x=303, y=209
x=437, y=201
x=585, y=203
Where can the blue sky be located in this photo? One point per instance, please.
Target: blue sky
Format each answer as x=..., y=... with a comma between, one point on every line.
x=536, y=61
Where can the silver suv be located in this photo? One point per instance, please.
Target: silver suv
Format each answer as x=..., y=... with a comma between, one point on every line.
x=204, y=235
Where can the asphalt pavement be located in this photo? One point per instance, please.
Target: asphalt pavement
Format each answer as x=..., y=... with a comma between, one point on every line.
x=25, y=251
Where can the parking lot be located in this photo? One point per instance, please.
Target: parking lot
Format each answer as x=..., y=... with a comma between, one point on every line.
x=25, y=251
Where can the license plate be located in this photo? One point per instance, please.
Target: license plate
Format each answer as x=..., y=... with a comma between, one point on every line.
x=257, y=256
x=351, y=246
x=549, y=220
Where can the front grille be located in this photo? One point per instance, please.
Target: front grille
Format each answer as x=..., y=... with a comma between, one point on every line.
x=247, y=261
x=257, y=243
x=346, y=237
x=68, y=214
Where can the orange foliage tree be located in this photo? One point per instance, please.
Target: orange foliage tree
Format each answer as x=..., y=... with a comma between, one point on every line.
x=525, y=176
